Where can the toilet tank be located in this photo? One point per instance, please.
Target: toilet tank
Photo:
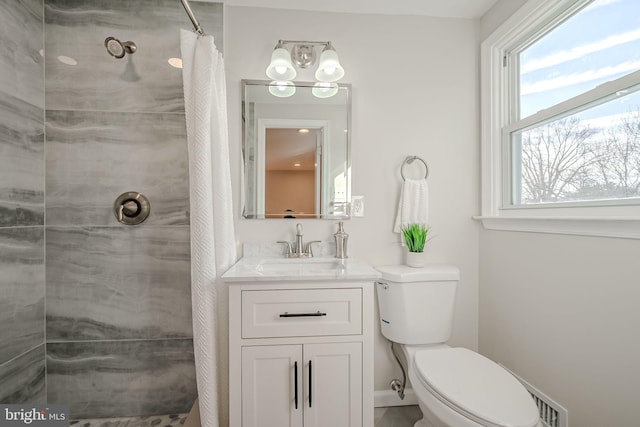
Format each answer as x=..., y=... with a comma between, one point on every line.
x=416, y=304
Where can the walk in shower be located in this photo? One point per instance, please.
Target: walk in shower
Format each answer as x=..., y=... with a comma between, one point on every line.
x=95, y=314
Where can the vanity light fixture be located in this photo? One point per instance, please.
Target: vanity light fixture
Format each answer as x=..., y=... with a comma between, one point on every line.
x=281, y=68
x=303, y=130
x=303, y=55
x=329, y=68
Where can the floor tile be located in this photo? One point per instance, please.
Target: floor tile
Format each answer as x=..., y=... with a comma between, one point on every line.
x=399, y=416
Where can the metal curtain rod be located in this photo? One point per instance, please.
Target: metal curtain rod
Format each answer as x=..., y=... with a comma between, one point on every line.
x=192, y=17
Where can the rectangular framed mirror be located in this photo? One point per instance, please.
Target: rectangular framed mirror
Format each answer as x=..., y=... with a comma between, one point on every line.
x=296, y=150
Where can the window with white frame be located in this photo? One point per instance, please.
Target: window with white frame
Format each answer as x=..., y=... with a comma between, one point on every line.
x=561, y=111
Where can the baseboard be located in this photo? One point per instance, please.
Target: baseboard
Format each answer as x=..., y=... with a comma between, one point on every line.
x=384, y=398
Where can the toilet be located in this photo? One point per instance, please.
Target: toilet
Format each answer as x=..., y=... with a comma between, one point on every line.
x=455, y=387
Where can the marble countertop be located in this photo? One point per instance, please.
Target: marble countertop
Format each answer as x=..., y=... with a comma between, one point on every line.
x=295, y=269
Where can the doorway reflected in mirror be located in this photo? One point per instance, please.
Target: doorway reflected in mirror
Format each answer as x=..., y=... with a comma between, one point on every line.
x=296, y=153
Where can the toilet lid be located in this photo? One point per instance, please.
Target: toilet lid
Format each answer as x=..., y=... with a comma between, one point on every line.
x=476, y=387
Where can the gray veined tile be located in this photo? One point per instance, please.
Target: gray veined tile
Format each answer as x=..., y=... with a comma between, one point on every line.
x=23, y=289
x=94, y=157
x=143, y=81
x=21, y=163
x=118, y=283
x=22, y=378
x=168, y=420
x=21, y=61
x=122, y=378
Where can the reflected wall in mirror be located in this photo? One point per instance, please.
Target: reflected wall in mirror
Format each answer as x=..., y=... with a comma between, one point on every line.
x=296, y=152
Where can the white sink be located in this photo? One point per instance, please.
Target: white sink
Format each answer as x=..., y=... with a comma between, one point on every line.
x=297, y=264
x=299, y=269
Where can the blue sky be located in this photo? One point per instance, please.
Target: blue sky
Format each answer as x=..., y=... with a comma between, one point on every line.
x=599, y=44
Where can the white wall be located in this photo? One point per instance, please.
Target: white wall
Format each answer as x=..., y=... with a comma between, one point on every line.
x=415, y=92
x=498, y=13
x=563, y=312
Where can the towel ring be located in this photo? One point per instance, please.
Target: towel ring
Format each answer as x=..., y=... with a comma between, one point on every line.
x=410, y=160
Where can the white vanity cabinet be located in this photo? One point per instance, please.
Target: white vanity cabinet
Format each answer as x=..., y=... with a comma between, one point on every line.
x=301, y=353
x=302, y=385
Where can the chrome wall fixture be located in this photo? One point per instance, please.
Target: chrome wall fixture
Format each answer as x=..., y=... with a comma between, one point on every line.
x=410, y=160
x=303, y=55
x=118, y=49
x=131, y=208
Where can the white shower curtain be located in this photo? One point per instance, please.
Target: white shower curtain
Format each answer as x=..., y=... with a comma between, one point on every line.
x=213, y=247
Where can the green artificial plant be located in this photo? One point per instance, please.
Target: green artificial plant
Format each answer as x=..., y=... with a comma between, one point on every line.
x=415, y=235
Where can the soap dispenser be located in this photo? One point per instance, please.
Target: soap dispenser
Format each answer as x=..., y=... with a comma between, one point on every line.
x=341, y=241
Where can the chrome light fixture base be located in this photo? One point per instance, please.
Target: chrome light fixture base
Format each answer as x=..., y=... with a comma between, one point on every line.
x=303, y=55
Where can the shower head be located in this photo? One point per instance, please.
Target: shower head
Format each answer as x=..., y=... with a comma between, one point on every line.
x=118, y=49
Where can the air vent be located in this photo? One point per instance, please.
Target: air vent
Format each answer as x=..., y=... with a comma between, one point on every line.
x=551, y=413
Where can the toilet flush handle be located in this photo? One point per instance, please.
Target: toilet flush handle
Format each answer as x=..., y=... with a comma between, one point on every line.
x=383, y=285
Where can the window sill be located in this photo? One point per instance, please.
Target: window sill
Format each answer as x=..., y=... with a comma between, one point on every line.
x=622, y=228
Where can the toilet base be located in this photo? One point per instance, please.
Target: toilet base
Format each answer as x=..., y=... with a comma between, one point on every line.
x=421, y=423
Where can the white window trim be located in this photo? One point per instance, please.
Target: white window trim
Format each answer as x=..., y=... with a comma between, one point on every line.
x=611, y=219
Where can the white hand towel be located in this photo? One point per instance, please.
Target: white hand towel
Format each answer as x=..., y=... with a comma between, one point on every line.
x=414, y=204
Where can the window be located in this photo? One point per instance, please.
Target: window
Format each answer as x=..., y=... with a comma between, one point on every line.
x=561, y=116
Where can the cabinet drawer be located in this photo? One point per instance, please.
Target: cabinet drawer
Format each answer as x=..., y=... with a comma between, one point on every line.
x=301, y=312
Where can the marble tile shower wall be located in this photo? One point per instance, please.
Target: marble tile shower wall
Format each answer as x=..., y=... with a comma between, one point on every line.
x=118, y=311
x=119, y=338
x=22, y=269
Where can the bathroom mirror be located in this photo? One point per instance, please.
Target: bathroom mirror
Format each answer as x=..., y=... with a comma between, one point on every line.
x=296, y=150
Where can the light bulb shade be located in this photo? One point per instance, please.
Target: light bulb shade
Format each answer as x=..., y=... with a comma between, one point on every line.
x=329, y=68
x=282, y=89
x=281, y=68
x=324, y=90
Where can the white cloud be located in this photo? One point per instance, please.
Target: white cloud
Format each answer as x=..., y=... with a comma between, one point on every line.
x=578, y=51
x=596, y=4
x=607, y=122
x=577, y=78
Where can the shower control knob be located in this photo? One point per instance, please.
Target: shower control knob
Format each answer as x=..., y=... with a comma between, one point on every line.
x=131, y=208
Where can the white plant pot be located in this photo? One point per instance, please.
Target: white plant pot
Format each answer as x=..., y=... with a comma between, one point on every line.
x=415, y=259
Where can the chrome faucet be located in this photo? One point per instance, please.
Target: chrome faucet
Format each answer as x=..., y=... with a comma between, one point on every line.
x=300, y=251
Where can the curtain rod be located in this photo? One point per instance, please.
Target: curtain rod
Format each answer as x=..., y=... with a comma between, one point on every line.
x=192, y=17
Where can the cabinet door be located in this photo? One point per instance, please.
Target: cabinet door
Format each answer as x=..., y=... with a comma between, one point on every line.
x=333, y=385
x=269, y=387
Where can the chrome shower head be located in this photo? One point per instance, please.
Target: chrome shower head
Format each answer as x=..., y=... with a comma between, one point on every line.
x=118, y=49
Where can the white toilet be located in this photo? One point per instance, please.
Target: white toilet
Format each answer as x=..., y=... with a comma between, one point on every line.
x=455, y=387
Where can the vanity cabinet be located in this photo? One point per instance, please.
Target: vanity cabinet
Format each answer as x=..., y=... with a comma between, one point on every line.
x=311, y=385
x=301, y=354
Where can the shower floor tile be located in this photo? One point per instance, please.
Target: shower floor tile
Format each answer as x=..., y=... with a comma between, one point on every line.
x=173, y=420
x=397, y=416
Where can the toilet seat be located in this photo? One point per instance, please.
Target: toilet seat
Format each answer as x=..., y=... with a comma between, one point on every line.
x=475, y=387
